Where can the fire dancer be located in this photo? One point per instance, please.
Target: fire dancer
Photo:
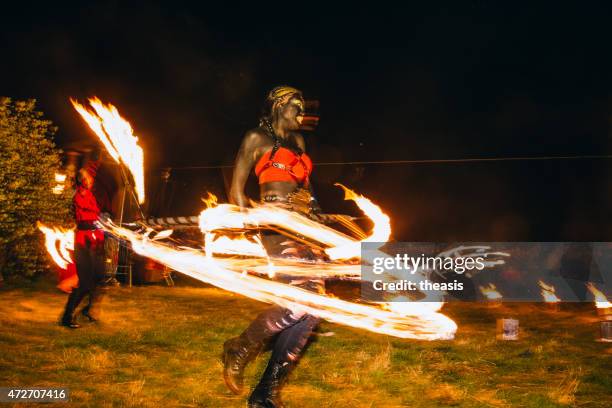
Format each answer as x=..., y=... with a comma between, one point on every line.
x=88, y=247
x=276, y=151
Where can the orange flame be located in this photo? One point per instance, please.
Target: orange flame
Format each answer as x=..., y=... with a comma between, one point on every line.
x=228, y=216
x=58, y=242
x=118, y=138
x=234, y=246
x=548, y=293
x=490, y=292
x=601, y=302
x=418, y=321
x=210, y=201
x=380, y=232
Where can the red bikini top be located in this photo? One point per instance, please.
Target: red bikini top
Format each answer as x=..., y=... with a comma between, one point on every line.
x=282, y=164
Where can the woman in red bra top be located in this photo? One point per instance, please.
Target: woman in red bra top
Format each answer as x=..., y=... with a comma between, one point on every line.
x=275, y=150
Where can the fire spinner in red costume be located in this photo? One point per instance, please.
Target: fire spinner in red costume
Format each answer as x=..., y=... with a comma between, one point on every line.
x=88, y=247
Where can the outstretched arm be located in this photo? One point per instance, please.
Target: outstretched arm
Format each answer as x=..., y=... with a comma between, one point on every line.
x=245, y=160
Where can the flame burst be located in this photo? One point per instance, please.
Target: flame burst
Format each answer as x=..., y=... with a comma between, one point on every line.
x=490, y=292
x=548, y=293
x=420, y=321
x=380, y=233
x=118, y=138
x=601, y=302
x=405, y=320
x=58, y=242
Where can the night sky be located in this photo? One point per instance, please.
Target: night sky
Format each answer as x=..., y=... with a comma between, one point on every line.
x=462, y=80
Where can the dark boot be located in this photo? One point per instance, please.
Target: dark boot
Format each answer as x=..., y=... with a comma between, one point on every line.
x=237, y=353
x=86, y=312
x=90, y=318
x=288, y=348
x=70, y=325
x=267, y=392
x=71, y=304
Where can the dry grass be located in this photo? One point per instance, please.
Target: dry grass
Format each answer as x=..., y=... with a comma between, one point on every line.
x=160, y=346
x=565, y=392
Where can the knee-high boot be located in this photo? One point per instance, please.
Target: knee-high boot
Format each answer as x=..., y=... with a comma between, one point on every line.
x=239, y=351
x=288, y=349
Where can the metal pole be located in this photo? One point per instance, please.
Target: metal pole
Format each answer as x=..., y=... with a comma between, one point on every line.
x=126, y=183
x=122, y=205
x=127, y=186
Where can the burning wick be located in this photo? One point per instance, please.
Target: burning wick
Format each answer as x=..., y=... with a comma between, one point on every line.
x=493, y=296
x=604, y=308
x=549, y=296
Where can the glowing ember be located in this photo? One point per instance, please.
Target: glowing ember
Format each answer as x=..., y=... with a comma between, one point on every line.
x=601, y=302
x=419, y=321
x=58, y=242
x=118, y=138
x=490, y=292
x=548, y=293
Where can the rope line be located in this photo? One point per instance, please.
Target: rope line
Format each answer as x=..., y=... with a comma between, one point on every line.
x=427, y=161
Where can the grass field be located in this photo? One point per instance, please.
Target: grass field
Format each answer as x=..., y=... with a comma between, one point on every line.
x=159, y=347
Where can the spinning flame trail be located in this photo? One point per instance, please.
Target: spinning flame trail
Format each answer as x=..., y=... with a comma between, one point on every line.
x=58, y=242
x=421, y=321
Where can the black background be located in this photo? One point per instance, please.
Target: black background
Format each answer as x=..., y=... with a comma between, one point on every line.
x=430, y=81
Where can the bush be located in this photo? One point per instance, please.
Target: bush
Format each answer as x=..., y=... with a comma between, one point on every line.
x=28, y=163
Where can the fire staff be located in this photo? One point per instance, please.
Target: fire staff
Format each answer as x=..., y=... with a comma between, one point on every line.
x=276, y=151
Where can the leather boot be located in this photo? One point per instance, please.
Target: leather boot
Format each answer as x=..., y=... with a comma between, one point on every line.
x=267, y=392
x=86, y=312
x=288, y=349
x=237, y=353
x=71, y=304
x=70, y=325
